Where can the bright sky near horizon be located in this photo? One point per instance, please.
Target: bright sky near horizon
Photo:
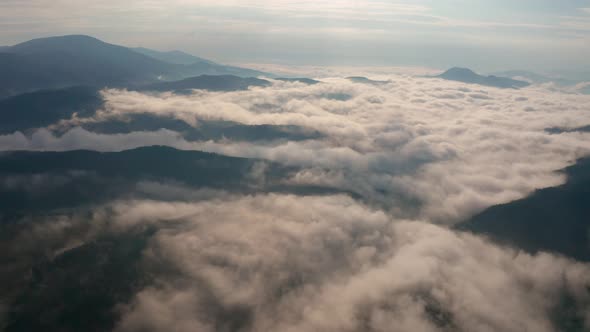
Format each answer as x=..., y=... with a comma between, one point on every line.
x=542, y=35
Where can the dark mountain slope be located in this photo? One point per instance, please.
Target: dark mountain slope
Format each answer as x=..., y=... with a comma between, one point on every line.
x=205, y=131
x=206, y=68
x=534, y=77
x=364, y=80
x=155, y=161
x=43, y=108
x=554, y=219
x=199, y=66
x=41, y=181
x=88, y=59
x=37, y=183
x=560, y=130
x=468, y=76
x=57, y=62
x=175, y=57
x=23, y=73
x=86, y=284
x=75, y=60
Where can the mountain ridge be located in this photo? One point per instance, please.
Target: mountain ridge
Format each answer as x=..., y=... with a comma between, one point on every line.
x=62, y=61
x=466, y=75
x=174, y=56
x=553, y=219
x=207, y=82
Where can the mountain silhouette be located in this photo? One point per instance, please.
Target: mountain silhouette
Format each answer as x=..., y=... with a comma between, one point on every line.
x=304, y=80
x=30, y=111
x=561, y=130
x=468, y=76
x=84, y=59
x=45, y=107
x=64, y=61
x=175, y=57
x=364, y=80
x=552, y=219
x=96, y=177
x=199, y=66
x=533, y=77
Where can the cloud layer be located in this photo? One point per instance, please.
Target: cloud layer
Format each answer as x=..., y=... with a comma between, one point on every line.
x=449, y=148
x=417, y=153
x=330, y=264
x=291, y=263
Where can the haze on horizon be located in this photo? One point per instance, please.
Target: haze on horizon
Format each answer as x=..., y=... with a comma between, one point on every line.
x=550, y=37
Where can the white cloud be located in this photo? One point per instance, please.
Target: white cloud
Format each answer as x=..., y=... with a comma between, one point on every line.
x=80, y=139
x=420, y=148
x=293, y=263
x=450, y=148
x=289, y=263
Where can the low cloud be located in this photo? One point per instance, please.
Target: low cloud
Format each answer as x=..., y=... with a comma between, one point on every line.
x=292, y=263
x=80, y=139
x=220, y=261
x=394, y=143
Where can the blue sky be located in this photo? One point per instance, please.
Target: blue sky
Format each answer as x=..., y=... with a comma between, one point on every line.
x=541, y=35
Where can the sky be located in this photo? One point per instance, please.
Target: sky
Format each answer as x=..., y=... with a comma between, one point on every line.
x=546, y=36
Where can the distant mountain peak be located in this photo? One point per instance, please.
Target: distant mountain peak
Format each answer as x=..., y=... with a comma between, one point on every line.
x=74, y=44
x=174, y=57
x=459, y=71
x=364, y=80
x=78, y=37
x=467, y=75
x=70, y=60
x=71, y=39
